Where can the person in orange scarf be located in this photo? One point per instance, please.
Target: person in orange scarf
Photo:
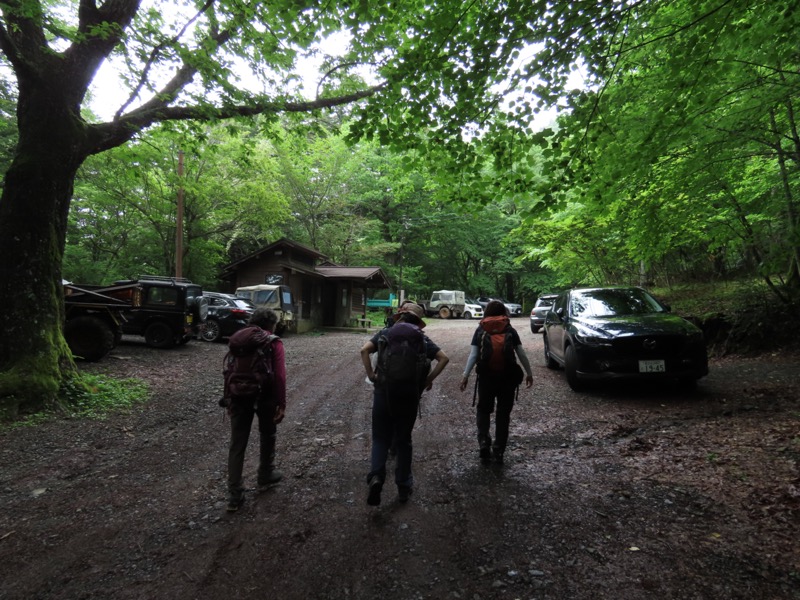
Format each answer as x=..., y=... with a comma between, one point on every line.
x=494, y=346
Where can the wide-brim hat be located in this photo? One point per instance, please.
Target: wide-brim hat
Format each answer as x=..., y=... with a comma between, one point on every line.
x=414, y=309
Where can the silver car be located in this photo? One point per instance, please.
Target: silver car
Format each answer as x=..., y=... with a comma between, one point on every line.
x=539, y=310
x=514, y=310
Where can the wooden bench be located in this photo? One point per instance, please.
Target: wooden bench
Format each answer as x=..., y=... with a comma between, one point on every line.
x=362, y=322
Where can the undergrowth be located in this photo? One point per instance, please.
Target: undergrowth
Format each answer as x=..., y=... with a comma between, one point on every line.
x=701, y=299
x=87, y=395
x=91, y=396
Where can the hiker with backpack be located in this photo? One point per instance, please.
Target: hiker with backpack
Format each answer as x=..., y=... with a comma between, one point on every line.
x=255, y=384
x=403, y=371
x=494, y=348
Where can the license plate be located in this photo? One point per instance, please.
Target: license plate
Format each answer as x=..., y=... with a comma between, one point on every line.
x=652, y=366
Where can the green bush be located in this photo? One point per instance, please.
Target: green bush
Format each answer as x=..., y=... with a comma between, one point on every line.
x=94, y=396
x=90, y=396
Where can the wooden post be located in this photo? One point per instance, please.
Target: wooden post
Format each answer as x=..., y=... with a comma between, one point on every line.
x=179, y=220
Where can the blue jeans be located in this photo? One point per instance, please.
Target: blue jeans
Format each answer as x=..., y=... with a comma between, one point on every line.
x=388, y=427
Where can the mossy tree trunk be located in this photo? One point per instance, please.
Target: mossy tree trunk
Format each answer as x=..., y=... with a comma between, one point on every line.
x=33, y=223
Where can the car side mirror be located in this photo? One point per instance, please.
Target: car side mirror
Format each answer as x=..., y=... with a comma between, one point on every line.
x=560, y=313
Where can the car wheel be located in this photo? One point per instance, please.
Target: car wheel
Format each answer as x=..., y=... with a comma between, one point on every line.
x=89, y=338
x=548, y=359
x=534, y=328
x=211, y=331
x=159, y=335
x=467, y=315
x=571, y=369
x=444, y=313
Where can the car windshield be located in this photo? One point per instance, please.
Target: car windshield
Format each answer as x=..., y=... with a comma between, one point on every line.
x=265, y=296
x=615, y=302
x=243, y=304
x=545, y=301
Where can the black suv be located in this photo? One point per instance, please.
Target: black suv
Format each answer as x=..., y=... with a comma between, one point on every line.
x=619, y=333
x=227, y=314
x=168, y=312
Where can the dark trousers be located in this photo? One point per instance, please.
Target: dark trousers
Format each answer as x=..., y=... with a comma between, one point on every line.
x=241, y=423
x=493, y=390
x=397, y=427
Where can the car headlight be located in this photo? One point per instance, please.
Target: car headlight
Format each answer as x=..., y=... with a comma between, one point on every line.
x=592, y=340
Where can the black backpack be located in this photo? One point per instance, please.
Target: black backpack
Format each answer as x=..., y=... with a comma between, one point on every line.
x=248, y=373
x=402, y=359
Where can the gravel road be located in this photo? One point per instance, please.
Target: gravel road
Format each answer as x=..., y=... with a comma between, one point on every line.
x=622, y=493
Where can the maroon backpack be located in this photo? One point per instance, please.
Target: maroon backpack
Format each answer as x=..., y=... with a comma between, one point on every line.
x=247, y=367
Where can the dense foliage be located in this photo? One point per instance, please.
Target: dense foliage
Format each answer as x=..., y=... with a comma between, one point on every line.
x=680, y=161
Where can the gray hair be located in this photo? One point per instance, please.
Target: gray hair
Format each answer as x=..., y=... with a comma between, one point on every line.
x=266, y=318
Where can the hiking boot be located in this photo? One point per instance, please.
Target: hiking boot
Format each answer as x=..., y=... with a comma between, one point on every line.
x=498, y=456
x=485, y=445
x=375, y=487
x=485, y=451
x=273, y=478
x=234, y=503
x=403, y=492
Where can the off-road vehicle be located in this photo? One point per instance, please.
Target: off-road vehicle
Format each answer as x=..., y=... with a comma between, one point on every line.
x=165, y=310
x=446, y=304
x=276, y=297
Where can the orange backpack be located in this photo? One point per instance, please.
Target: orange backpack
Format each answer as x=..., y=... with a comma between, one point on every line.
x=496, y=346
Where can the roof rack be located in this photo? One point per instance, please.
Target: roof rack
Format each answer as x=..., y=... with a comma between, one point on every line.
x=161, y=278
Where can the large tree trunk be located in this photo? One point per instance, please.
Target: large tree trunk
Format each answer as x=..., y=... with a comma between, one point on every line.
x=33, y=222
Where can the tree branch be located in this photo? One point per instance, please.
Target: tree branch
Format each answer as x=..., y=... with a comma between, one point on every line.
x=109, y=135
x=180, y=78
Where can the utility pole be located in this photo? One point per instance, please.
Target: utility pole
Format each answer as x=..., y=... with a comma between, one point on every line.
x=179, y=220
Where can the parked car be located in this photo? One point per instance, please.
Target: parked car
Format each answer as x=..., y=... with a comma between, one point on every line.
x=227, y=314
x=472, y=310
x=539, y=310
x=621, y=333
x=514, y=310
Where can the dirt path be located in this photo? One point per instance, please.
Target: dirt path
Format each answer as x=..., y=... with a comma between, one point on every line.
x=620, y=493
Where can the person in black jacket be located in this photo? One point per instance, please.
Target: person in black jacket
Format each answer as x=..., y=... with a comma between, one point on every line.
x=498, y=380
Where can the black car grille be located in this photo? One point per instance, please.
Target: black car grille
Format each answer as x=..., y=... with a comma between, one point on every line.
x=657, y=346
